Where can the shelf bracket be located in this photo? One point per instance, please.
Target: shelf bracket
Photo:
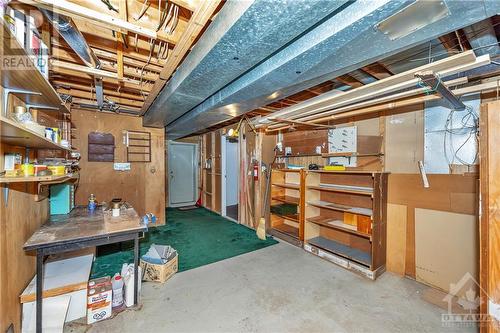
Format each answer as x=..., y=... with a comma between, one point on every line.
x=5, y=189
x=40, y=106
x=14, y=91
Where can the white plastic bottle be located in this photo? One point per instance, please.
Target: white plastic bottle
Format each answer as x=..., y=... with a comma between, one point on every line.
x=117, y=283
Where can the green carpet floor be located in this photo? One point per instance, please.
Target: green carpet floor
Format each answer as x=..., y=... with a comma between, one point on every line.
x=199, y=236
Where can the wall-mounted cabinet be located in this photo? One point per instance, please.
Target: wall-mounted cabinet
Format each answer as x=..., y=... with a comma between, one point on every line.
x=345, y=219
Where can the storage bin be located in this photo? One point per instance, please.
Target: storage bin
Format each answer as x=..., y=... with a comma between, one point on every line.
x=159, y=273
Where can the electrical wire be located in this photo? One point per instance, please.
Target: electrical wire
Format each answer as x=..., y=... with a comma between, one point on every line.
x=469, y=125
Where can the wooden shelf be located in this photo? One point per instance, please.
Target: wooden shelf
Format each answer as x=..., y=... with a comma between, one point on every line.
x=288, y=170
x=350, y=154
x=287, y=229
x=27, y=78
x=294, y=217
x=341, y=208
x=340, y=190
x=346, y=171
x=287, y=199
x=340, y=249
x=16, y=134
x=51, y=179
x=289, y=186
x=324, y=221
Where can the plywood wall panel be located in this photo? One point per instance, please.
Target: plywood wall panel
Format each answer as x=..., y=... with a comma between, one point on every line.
x=18, y=221
x=143, y=186
x=446, y=246
x=404, y=140
x=396, y=238
x=446, y=193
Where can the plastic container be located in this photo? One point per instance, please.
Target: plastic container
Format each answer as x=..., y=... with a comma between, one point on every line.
x=28, y=169
x=117, y=284
x=92, y=202
x=128, y=280
x=57, y=170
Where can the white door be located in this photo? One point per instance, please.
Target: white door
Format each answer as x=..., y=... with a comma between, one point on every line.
x=182, y=174
x=230, y=180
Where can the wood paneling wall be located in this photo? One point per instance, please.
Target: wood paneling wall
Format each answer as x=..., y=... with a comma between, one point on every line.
x=449, y=193
x=18, y=221
x=143, y=186
x=489, y=247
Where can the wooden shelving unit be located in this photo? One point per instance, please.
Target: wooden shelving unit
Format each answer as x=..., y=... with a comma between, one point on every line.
x=16, y=134
x=51, y=179
x=345, y=219
x=27, y=79
x=288, y=187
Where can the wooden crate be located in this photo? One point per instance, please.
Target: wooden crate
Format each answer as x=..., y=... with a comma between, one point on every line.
x=159, y=273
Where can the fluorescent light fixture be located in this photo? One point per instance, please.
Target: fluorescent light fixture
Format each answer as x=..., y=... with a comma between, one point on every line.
x=413, y=17
x=430, y=79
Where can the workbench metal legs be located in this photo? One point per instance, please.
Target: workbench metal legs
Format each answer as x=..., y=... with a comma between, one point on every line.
x=136, y=268
x=39, y=290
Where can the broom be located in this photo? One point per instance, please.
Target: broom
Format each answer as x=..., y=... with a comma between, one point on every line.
x=261, y=228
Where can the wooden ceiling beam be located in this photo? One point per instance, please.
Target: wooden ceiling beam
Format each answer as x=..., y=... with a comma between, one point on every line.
x=91, y=96
x=198, y=20
x=349, y=80
x=189, y=5
x=71, y=73
x=450, y=43
x=79, y=100
x=70, y=9
x=99, y=45
x=134, y=72
x=104, y=36
x=377, y=71
x=102, y=54
x=67, y=86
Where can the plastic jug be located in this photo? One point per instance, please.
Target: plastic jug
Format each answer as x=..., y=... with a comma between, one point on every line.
x=117, y=284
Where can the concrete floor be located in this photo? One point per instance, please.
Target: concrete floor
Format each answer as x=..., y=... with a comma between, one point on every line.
x=277, y=289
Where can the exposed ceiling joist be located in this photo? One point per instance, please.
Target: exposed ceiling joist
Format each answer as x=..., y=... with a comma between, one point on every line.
x=67, y=8
x=349, y=80
x=91, y=96
x=377, y=70
x=66, y=87
x=64, y=73
x=198, y=20
x=112, y=66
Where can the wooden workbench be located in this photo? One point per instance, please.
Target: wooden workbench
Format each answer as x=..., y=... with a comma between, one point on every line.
x=79, y=229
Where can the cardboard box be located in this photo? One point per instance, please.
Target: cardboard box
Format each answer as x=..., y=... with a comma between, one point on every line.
x=351, y=219
x=364, y=224
x=159, y=273
x=99, y=298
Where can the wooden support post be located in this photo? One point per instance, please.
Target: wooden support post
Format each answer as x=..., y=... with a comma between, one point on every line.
x=119, y=39
x=214, y=192
x=489, y=230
